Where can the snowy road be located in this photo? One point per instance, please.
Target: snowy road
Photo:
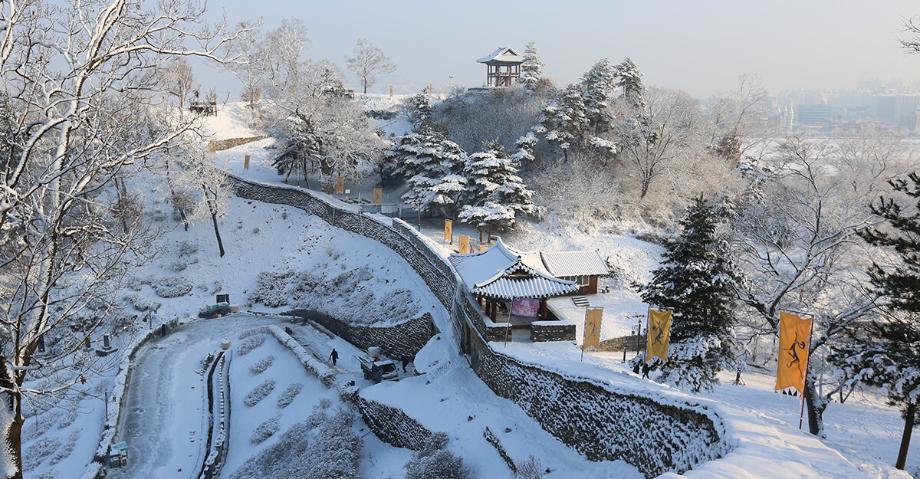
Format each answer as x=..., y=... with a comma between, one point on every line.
x=164, y=414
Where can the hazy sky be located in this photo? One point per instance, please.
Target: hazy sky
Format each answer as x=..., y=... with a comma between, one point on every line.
x=701, y=46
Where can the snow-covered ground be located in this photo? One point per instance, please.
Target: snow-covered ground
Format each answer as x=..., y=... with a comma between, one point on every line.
x=862, y=435
x=450, y=398
x=164, y=420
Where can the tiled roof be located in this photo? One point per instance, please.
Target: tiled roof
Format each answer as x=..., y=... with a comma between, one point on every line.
x=500, y=272
x=574, y=263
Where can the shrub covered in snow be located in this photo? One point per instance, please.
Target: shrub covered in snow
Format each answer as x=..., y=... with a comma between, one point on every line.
x=37, y=452
x=141, y=304
x=436, y=462
x=322, y=447
x=529, y=469
x=289, y=394
x=267, y=429
x=262, y=365
x=249, y=343
x=172, y=287
x=361, y=295
x=259, y=393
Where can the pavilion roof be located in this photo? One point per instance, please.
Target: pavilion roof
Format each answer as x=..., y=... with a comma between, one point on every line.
x=501, y=272
x=502, y=55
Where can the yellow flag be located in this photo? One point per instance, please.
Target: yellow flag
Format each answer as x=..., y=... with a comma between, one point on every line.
x=593, y=318
x=659, y=334
x=464, y=244
x=340, y=185
x=378, y=196
x=449, y=230
x=794, y=343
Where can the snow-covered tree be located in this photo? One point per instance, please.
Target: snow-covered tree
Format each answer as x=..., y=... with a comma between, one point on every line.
x=434, y=461
x=630, y=82
x=319, y=129
x=885, y=352
x=531, y=68
x=419, y=111
x=599, y=86
x=368, y=62
x=203, y=190
x=795, y=242
x=495, y=194
x=526, y=145
x=432, y=169
x=84, y=82
x=695, y=281
x=564, y=121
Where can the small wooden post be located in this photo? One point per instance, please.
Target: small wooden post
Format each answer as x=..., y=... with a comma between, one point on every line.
x=246, y=162
x=391, y=90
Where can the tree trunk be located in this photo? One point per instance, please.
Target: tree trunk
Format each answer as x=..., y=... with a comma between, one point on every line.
x=814, y=407
x=14, y=433
x=365, y=86
x=220, y=243
x=905, y=437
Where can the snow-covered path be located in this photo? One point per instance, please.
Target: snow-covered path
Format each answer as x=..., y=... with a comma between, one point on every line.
x=164, y=414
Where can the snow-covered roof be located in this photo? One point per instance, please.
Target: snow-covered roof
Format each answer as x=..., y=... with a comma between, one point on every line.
x=502, y=54
x=574, y=263
x=501, y=272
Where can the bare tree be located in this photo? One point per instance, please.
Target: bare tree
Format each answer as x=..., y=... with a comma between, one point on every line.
x=179, y=81
x=666, y=131
x=795, y=240
x=84, y=83
x=368, y=62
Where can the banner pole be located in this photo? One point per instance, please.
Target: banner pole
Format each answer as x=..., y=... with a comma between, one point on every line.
x=807, y=365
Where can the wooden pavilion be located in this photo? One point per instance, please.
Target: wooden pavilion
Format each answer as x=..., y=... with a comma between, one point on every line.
x=503, y=67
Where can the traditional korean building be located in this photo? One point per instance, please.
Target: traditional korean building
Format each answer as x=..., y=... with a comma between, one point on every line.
x=585, y=268
x=503, y=67
x=511, y=286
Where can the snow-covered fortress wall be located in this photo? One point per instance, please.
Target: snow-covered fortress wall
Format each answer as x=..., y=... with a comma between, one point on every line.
x=655, y=433
x=403, y=340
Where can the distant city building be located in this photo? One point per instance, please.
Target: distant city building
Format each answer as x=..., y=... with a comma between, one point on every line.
x=814, y=115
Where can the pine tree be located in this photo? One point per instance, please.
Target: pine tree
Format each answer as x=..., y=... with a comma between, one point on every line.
x=695, y=282
x=886, y=352
x=420, y=112
x=526, y=145
x=630, y=81
x=495, y=194
x=432, y=166
x=599, y=85
x=531, y=69
x=564, y=121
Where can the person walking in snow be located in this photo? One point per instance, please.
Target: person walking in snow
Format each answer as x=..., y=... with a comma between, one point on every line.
x=334, y=356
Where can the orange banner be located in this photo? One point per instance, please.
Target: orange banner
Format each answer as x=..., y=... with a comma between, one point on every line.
x=464, y=244
x=592, y=337
x=378, y=196
x=449, y=231
x=659, y=334
x=794, y=344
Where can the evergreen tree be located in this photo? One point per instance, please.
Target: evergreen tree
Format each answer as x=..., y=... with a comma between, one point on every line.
x=695, y=282
x=495, y=194
x=886, y=352
x=565, y=121
x=432, y=168
x=420, y=111
x=526, y=145
x=531, y=69
x=599, y=85
x=630, y=81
